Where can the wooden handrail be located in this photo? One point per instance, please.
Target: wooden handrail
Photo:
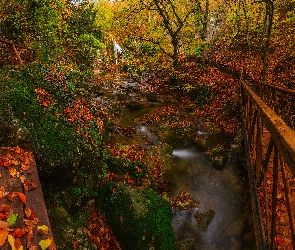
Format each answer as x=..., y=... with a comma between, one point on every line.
x=282, y=134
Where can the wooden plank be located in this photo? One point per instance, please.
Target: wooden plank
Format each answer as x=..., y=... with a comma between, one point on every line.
x=19, y=174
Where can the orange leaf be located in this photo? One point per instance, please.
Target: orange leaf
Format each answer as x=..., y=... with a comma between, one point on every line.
x=22, y=197
x=13, y=172
x=17, y=243
x=25, y=167
x=3, y=236
x=18, y=232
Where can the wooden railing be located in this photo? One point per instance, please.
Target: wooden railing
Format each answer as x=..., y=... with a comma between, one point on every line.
x=270, y=151
x=281, y=100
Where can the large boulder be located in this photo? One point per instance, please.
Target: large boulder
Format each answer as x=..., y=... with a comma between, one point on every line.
x=66, y=232
x=140, y=218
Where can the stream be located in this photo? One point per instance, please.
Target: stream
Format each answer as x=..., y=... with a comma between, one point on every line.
x=224, y=191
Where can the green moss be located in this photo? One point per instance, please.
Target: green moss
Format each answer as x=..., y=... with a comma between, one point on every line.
x=217, y=156
x=140, y=219
x=176, y=136
x=65, y=231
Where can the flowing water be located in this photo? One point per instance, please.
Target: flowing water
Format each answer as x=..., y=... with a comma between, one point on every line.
x=225, y=191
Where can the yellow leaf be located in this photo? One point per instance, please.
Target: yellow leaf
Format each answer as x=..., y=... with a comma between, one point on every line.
x=13, y=172
x=43, y=229
x=44, y=243
x=11, y=242
x=3, y=236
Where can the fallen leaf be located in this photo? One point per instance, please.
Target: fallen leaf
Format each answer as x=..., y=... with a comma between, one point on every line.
x=43, y=229
x=279, y=240
x=11, y=241
x=44, y=244
x=30, y=185
x=33, y=248
x=22, y=179
x=17, y=243
x=4, y=225
x=75, y=244
x=8, y=196
x=29, y=235
x=5, y=211
x=22, y=197
x=3, y=236
x=18, y=150
x=12, y=219
x=25, y=167
x=14, y=162
x=13, y=172
x=18, y=232
x=29, y=213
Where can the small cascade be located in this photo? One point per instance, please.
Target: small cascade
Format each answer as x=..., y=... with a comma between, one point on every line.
x=183, y=153
x=144, y=131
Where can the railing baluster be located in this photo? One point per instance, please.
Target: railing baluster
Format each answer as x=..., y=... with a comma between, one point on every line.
x=274, y=198
x=252, y=127
x=264, y=165
x=258, y=158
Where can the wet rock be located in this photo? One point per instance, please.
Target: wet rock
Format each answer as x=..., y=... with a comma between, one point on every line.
x=187, y=244
x=184, y=201
x=204, y=219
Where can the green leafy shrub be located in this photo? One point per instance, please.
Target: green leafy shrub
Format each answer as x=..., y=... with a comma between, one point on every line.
x=57, y=139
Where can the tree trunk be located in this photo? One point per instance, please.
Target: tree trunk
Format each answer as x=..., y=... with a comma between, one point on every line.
x=204, y=32
x=269, y=22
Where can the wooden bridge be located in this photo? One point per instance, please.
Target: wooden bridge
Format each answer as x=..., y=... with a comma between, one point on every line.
x=268, y=122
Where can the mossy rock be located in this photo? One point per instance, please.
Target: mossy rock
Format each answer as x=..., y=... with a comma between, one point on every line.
x=201, y=143
x=204, y=219
x=217, y=156
x=187, y=244
x=140, y=219
x=163, y=152
x=65, y=231
x=176, y=136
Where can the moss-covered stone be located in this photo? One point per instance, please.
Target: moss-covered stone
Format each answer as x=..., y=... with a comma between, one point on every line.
x=217, y=156
x=176, y=136
x=140, y=219
x=187, y=244
x=204, y=219
x=65, y=231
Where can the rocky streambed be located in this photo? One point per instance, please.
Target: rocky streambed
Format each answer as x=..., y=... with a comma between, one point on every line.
x=223, y=191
